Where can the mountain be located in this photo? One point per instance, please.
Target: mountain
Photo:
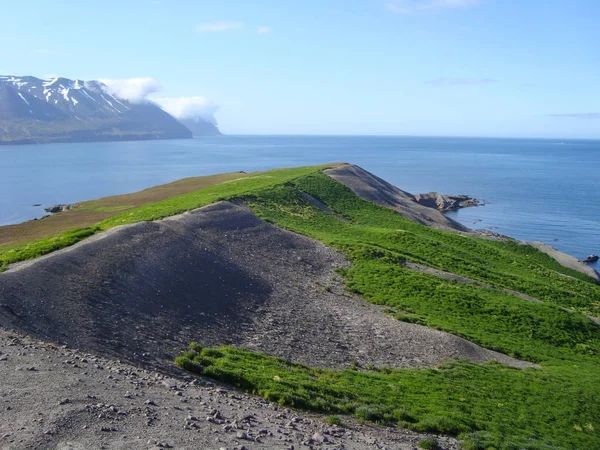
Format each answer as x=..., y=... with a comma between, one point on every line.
x=34, y=110
x=200, y=127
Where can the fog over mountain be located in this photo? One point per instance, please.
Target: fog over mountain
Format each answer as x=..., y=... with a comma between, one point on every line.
x=196, y=112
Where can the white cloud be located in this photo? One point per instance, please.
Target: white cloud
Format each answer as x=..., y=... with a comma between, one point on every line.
x=263, y=29
x=186, y=108
x=451, y=81
x=217, y=27
x=46, y=51
x=427, y=6
x=139, y=90
x=135, y=90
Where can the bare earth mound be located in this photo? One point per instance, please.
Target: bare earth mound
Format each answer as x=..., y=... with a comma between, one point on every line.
x=217, y=275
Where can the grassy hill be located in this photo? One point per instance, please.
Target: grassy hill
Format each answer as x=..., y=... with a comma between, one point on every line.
x=488, y=406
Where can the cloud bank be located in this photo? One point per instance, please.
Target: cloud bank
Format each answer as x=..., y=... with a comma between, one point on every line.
x=189, y=108
x=576, y=115
x=135, y=90
x=141, y=90
x=451, y=81
x=427, y=6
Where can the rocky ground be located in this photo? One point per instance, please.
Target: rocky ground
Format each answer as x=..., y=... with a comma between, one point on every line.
x=52, y=397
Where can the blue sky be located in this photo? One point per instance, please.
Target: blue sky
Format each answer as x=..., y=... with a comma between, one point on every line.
x=402, y=67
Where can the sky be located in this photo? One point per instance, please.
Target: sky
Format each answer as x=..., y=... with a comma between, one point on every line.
x=505, y=68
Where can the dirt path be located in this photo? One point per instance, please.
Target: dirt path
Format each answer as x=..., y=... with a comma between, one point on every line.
x=451, y=276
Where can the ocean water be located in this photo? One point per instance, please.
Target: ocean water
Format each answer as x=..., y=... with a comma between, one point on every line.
x=533, y=189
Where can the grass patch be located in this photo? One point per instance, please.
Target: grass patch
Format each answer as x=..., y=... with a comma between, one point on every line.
x=429, y=444
x=491, y=404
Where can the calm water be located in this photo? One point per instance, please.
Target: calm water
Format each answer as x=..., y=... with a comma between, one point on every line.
x=534, y=189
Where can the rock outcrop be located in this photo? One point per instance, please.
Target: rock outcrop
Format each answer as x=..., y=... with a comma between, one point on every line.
x=59, y=208
x=445, y=203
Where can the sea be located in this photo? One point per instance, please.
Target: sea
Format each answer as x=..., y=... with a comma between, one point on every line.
x=532, y=189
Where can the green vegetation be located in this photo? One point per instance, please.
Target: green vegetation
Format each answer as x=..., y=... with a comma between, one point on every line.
x=429, y=444
x=334, y=420
x=488, y=406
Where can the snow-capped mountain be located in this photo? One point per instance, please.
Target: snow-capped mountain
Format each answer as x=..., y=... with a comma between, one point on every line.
x=34, y=110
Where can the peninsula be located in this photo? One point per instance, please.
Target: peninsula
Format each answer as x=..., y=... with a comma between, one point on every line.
x=314, y=307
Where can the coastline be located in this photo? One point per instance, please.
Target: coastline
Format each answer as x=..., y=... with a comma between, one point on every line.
x=449, y=203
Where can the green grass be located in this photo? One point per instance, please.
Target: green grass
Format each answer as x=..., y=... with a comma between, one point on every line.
x=491, y=404
x=333, y=420
x=429, y=444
